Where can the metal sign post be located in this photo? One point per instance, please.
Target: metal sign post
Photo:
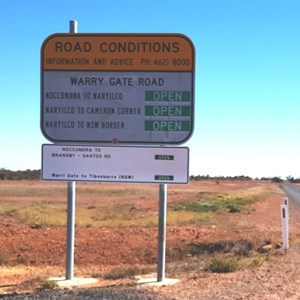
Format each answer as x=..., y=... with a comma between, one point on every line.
x=162, y=225
x=70, y=230
x=71, y=210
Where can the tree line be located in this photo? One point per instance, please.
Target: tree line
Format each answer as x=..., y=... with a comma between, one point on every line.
x=242, y=177
x=36, y=174
x=19, y=175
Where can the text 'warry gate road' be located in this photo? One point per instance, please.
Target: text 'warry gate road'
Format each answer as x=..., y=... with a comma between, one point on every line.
x=116, y=81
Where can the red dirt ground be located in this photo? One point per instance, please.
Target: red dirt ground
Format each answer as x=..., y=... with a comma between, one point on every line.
x=33, y=252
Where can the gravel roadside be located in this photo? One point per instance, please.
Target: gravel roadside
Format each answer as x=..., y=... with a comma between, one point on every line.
x=108, y=293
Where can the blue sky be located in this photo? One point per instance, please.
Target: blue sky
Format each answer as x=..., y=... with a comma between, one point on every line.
x=247, y=83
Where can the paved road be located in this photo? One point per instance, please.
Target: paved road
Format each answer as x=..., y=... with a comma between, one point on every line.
x=292, y=191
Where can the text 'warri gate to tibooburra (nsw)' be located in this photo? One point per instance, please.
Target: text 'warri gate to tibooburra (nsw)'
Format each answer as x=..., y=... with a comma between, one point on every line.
x=127, y=88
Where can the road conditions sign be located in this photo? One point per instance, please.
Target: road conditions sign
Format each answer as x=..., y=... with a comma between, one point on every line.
x=125, y=88
x=115, y=164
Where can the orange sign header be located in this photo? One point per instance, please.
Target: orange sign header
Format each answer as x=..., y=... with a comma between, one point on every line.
x=118, y=52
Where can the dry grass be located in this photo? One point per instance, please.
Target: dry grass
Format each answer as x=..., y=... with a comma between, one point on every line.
x=38, y=283
x=205, y=205
x=114, y=205
x=127, y=272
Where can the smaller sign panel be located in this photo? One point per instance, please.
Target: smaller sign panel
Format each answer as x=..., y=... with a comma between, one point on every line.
x=115, y=164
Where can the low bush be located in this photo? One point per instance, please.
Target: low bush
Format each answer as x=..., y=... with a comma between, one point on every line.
x=233, y=208
x=238, y=248
x=222, y=265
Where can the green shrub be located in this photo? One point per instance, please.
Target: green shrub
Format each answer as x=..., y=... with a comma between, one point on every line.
x=233, y=208
x=202, y=206
x=213, y=203
x=222, y=265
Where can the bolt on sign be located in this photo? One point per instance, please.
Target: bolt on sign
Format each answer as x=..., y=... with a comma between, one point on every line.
x=124, y=88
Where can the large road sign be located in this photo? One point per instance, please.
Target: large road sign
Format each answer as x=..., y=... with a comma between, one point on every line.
x=125, y=88
x=115, y=164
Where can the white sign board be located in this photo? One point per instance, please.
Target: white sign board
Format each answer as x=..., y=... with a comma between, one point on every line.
x=115, y=164
x=121, y=88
